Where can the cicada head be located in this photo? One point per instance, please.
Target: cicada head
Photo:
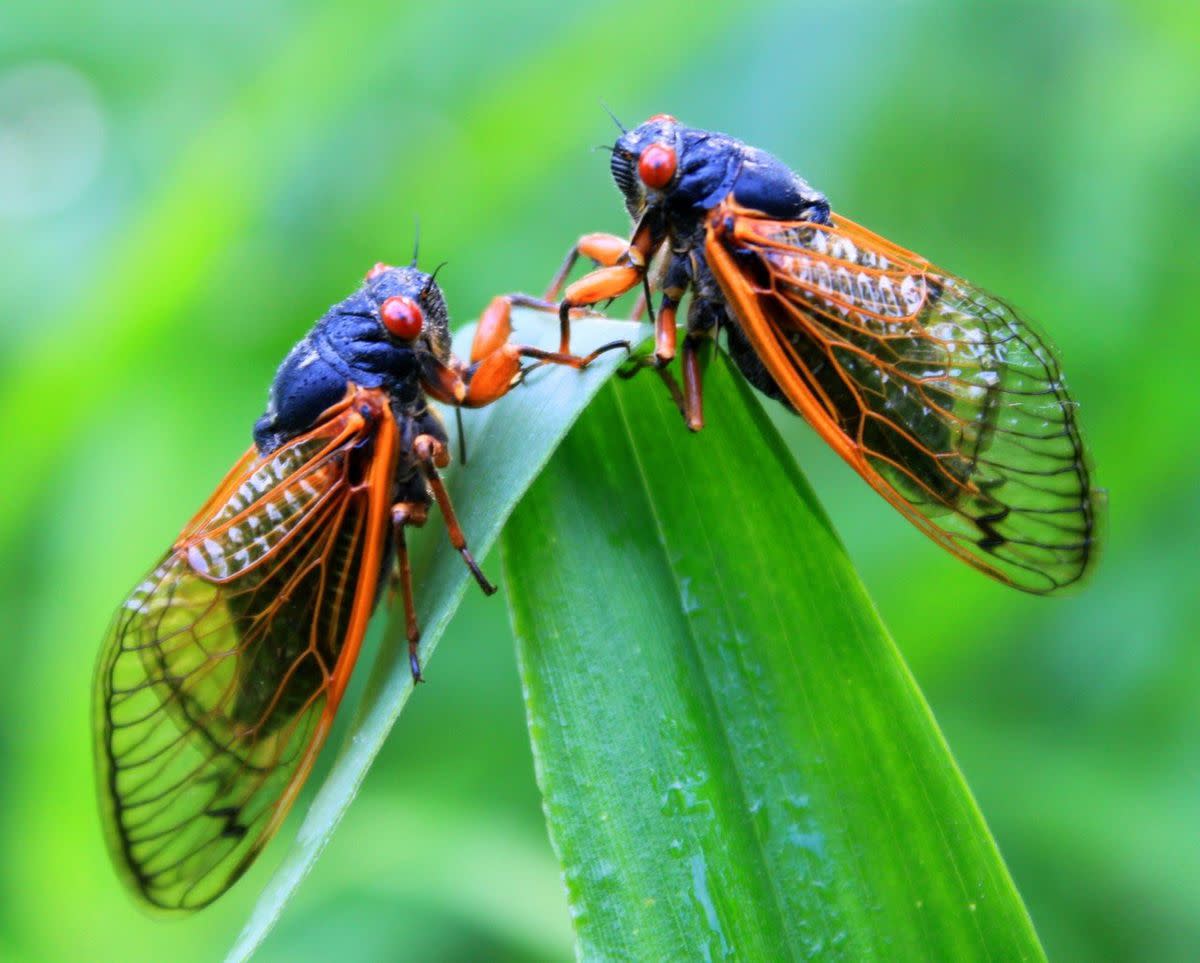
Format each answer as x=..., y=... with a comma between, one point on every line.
x=376, y=337
x=410, y=308
x=645, y=161
x=663, y=162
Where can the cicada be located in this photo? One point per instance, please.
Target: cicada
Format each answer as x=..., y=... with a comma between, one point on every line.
x=940, y=395
x=222, y=671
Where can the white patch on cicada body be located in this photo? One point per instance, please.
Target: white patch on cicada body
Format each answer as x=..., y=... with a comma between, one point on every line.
x=804, y=270
x=208, y=558
x=140, y=597
x=945, y=331
x=975, y=343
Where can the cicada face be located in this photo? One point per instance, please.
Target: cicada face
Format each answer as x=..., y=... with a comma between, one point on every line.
x=661, y=133
x=421, y=289
x=664, y=164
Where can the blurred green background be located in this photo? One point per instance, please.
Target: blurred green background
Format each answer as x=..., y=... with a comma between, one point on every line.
x=184, y=187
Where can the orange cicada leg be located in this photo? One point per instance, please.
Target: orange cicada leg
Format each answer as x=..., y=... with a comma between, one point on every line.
x=620, y=271
x=664, y=330
x=430, y=454
x=693, y=394
x=605, y=249
x=665, y=344
x=491, y=350
x=457, y=539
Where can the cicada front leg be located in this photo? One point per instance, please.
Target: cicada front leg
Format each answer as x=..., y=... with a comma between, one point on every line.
x=606, y=250
x=494, y=354
x=622, y=266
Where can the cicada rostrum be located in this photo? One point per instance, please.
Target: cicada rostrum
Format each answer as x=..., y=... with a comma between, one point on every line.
x=940, y=395
x=222, y=671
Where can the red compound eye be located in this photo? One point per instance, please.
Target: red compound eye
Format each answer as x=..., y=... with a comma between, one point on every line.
x=402, y=317
x=656, y=166
x=377, y=270
x=664, y=117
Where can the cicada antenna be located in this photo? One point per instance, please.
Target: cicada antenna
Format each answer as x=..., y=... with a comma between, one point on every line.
x=416, y=240
x=433, y=276
x=608, y=110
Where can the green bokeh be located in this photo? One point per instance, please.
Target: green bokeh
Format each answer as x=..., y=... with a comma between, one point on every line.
x=184, y=187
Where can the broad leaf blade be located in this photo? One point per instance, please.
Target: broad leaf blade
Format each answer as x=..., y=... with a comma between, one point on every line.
x=734, y=759
x=508, y=444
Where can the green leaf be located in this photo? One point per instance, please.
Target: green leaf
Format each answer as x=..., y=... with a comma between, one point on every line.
x=508, y=444
x=734, y=759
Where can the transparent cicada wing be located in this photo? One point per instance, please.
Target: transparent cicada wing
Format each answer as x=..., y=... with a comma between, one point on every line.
x=220, y=674
x=939, y=394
